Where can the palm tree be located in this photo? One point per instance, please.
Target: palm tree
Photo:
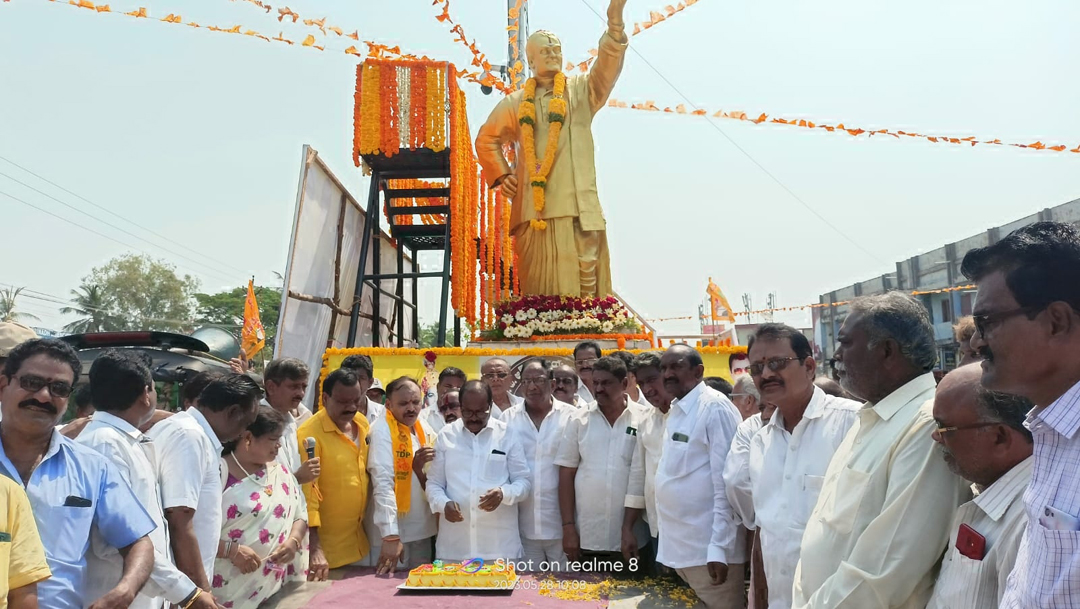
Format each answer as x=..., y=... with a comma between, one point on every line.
x=7, y=306
x=92, y=306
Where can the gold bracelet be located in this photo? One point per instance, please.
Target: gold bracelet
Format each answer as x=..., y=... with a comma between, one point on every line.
x=198, y=593
x=297, y=542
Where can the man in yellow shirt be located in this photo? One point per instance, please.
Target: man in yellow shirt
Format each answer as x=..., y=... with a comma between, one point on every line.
x=22, y=557
x=337, y=498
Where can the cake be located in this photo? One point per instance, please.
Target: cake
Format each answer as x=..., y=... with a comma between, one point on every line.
x=471, y=574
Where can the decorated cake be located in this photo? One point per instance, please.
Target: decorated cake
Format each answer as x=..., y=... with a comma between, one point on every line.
x=471, y=574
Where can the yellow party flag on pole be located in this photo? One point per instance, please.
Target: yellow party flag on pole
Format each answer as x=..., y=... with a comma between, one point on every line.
x=721, y=310
x=252, y=337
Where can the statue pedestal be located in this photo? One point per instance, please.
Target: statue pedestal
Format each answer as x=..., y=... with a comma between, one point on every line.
x=555, y=342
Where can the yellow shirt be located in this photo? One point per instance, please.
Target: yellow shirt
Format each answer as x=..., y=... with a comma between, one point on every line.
x=337, y=498
x=22, y=557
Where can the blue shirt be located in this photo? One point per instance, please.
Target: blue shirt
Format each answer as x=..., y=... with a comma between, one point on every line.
x=73, y=489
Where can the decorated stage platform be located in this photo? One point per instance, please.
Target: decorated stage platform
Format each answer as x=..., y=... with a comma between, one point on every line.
x=353, y=587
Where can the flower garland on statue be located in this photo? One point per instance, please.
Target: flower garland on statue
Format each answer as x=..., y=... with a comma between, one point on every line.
x=556, y=116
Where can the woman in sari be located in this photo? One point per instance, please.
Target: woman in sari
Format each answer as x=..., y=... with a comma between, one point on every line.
x=401, y=447
x=264, y=519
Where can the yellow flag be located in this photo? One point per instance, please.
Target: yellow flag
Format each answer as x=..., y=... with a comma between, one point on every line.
x=252, y=337
x=721, y=310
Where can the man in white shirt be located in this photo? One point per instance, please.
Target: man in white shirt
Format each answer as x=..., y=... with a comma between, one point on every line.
x=585, y=355
x=362, y=367
x=539, y=425
x=565, y=382
x=478, y=476
x=497, y=376
x=883, y=516
x=450, y=407
x=1027, y=329
x=641, y=489
x=789, y=455
x=450, y=379
x=984, y=439
x=745, y=396
x=698, y=531
x=286, y=383
x=595, y=457
x=123, y=390
x=190, y=471
x=632, y=388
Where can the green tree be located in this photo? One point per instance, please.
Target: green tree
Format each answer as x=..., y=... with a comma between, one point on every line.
x=8, y=311
x=92, y=304
x=146, y=294
x=226, y=309
x=429, y=335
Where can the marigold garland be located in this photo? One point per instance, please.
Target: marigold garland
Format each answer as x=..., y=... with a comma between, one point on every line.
x=390, y=141
x=556, y=116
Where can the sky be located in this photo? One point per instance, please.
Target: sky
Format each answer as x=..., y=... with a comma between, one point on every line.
x=196, y=136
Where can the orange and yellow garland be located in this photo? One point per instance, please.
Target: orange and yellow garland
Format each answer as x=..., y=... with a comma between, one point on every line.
x=538, y=172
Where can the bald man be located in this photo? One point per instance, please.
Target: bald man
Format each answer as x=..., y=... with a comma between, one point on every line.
x=984, y=440
x=496, y=374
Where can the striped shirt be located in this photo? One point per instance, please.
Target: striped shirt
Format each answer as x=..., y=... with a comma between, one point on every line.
x=998, y=515
x=1047, y=573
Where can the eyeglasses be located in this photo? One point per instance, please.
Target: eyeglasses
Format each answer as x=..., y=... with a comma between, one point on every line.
x=984, y=322
x=474, y=414
x=740, y=395
x=490, y=376
x=540, y=380
x=941, y=431
x=776, y=365
x=34, y=384
x=585, y=362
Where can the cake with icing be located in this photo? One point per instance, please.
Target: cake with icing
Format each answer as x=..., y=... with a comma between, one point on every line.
x=454, y=575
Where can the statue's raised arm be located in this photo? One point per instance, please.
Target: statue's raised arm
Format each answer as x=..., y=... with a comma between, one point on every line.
x=560, y=230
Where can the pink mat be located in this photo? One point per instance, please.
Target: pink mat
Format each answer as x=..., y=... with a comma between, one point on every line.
x=361, y=584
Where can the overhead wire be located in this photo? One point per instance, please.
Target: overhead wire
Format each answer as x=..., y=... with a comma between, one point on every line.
x=749, y=156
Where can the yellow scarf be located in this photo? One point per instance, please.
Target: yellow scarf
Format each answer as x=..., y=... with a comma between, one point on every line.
x=403, y=455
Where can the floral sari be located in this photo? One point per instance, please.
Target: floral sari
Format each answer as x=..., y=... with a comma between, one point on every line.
x=259, y=512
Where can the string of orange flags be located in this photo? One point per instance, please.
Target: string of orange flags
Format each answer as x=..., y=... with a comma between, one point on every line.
x=479, y=60
x=655, y=18
x=841, y=128
x=288, y=13
x=374, y=50
x=816, y=305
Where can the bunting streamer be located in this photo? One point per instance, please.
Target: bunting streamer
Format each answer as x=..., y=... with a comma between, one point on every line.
x=841, y=128
x=479, y=60
x=655, y=18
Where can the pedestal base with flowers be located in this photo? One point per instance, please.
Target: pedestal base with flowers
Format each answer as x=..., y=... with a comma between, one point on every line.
x=563, y=318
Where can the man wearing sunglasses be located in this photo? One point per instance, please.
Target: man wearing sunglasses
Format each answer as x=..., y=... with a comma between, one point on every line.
x=789, y=455
x=586, y=354
x=983, y=438
x=71, y=487
x=882, y=518
x=564, y=383
x=1027, y=328
x=495, y=373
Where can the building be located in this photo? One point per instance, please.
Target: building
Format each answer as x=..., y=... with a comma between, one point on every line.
x=927, y=275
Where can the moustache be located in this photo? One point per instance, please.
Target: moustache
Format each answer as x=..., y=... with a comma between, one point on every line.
x=35, y=403
x=772, y=384
x=986, y=354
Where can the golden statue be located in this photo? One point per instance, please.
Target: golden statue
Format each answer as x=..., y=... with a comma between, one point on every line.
x=561, y=238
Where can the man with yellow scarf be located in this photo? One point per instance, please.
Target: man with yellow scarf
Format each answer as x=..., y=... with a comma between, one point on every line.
x=401, y=446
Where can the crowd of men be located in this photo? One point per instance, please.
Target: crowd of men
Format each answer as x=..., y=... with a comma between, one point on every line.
x=888, y=490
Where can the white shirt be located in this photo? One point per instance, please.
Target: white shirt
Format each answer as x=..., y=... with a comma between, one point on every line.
x=134, y=456
x=538, y=513
x=786, y=473
x=375, y=411
x=1047, y=572
x=690, y=480
x=466, y=467
x=433, y=418
x=602, y=454
x=998, y=515
x=419, y=523
x=190, y=472
x=641, y=490
x=737, y=471
x=303, y=413
x=289, y=452
x=499, y=413
x=584, y=393
x=887, y=493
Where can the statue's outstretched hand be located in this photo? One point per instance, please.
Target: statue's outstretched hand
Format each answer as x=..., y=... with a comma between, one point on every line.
x=509, y=186
x=615, y=13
